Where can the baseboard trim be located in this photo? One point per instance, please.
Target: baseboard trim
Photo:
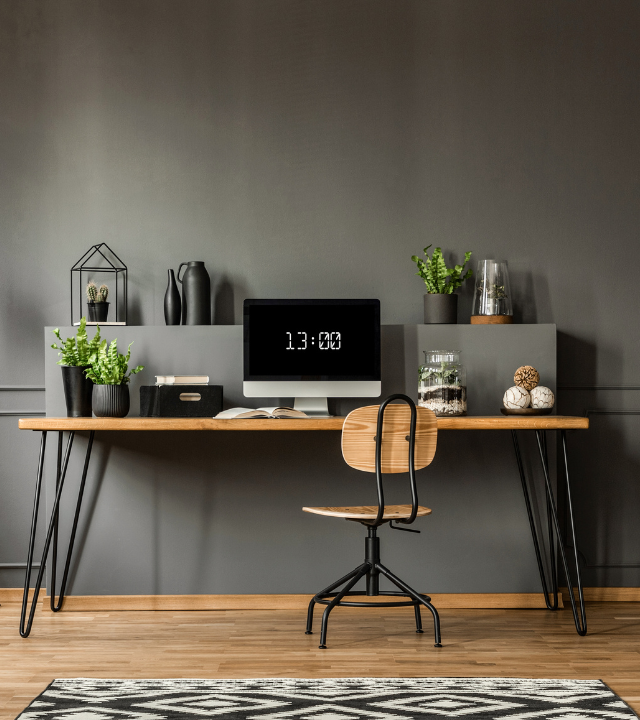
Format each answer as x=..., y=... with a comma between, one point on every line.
x=605, y=594
x=294, y=602
x=114, y=603
x=15, y=594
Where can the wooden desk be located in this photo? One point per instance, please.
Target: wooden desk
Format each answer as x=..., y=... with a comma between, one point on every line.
x=499, y=422
x=538, y=424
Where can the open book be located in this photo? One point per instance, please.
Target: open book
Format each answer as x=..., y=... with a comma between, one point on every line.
x=263, y=412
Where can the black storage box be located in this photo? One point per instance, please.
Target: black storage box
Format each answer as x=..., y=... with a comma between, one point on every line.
x=180, y=401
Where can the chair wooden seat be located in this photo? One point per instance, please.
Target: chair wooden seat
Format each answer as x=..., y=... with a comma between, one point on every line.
x=367, y=512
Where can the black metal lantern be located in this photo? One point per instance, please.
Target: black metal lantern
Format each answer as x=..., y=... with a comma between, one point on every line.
x=98, y=267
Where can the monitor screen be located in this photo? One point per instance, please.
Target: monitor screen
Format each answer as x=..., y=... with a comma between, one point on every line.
x=312, y=340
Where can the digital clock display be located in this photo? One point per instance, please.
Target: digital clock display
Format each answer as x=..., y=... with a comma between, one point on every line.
x=312, y=340
x=326, y=340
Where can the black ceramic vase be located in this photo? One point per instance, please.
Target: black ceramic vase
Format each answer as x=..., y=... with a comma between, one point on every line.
x=172, y=304
x=111, y=401
x=78, y=390
x=440, y=309
x=98, y=312
x=196, y=294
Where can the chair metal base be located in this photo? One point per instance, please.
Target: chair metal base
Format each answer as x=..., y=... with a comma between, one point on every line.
x=371, y=569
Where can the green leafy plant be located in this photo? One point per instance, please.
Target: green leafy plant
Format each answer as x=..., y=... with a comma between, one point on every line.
x=77, y=351
x=439, y=279
x=109, y=367
x=494, y=291
x=97, y=294
x=447, y=375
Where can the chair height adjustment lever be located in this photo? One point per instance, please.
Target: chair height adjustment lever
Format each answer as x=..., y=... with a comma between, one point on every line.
x=395, y=527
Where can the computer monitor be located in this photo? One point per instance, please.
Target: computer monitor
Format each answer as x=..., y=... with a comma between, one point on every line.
x=312, y=350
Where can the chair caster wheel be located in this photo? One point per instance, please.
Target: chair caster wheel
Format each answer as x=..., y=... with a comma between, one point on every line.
x=437, y=645
x=322, y=647
x=308, y=632
x=419, y=632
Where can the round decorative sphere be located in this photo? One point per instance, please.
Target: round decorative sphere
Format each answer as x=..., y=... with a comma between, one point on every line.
x=526, y=377
x=516, y=398
x=542, y=397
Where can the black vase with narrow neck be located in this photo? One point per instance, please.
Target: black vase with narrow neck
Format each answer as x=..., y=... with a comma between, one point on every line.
x=172, y=303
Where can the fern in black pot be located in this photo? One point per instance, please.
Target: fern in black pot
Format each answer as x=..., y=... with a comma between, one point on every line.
x=75, y=358
x=110, y=374
x=441, y=282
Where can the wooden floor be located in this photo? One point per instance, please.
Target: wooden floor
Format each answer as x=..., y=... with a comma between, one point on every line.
x=240, y=644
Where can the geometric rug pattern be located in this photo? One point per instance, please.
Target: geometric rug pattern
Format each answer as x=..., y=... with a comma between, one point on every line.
x=328, y=699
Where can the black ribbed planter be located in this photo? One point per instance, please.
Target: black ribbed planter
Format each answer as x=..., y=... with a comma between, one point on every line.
x=78, y=390
x=111, y=401
x=440, y=309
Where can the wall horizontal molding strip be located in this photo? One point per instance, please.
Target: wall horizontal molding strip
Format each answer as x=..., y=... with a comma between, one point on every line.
x=95, y=603
x=22, y=413
x=606, y=594
x=22, y=388
x=612, y=412
x=598, y=387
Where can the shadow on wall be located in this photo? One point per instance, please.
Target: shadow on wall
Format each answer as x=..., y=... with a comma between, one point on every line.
x=227, y=297
x=134, y=310
x=101, y=452
x=577, y=361
x=604, y=462
x=531, y=300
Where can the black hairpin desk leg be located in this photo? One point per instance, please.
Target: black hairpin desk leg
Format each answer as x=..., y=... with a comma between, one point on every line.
x=580, y=622
x=52, y=530
x=554, y=524
x=552, y=605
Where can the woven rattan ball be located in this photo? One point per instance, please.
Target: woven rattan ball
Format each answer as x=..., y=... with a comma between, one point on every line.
x=526, y=377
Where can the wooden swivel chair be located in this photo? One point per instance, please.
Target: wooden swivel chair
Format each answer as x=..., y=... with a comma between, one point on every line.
x=403, y=439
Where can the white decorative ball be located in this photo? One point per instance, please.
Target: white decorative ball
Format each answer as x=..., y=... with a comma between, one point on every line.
x=542, y=397
x=516, y=398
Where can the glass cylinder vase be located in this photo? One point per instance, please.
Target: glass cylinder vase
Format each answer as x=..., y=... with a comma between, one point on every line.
x=492, y=295
x=442, y=383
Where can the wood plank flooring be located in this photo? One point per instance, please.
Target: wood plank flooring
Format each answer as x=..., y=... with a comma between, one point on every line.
x=267, y=643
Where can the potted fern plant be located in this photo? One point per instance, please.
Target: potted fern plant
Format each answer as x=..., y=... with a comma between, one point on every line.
x=110, y=374
x=440, y=300
x=97, y=305
x=75, y=353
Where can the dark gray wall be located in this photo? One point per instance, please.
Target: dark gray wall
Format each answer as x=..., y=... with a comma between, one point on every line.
x=308, y=149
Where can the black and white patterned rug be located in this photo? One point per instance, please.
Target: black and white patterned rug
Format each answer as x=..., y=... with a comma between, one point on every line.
x=337, y=699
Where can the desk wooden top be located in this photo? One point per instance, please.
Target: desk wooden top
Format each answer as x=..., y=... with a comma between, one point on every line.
x=492, y=422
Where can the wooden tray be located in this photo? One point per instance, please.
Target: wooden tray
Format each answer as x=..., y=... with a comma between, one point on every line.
x=526, y=411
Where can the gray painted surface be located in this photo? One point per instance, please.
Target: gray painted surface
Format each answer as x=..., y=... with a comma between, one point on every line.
x=221, y=512
x=308, y=149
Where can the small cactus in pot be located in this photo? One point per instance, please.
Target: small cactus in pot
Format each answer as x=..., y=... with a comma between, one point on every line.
x=98, y=307
x=92, y=291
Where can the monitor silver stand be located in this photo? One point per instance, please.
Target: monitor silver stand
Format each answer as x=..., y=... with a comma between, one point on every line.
x=314, y=407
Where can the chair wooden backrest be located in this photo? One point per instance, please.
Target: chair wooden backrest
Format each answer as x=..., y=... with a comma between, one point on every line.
x=359, y=438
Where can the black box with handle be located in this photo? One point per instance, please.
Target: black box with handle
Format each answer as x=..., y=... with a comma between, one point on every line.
x=180, y=401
